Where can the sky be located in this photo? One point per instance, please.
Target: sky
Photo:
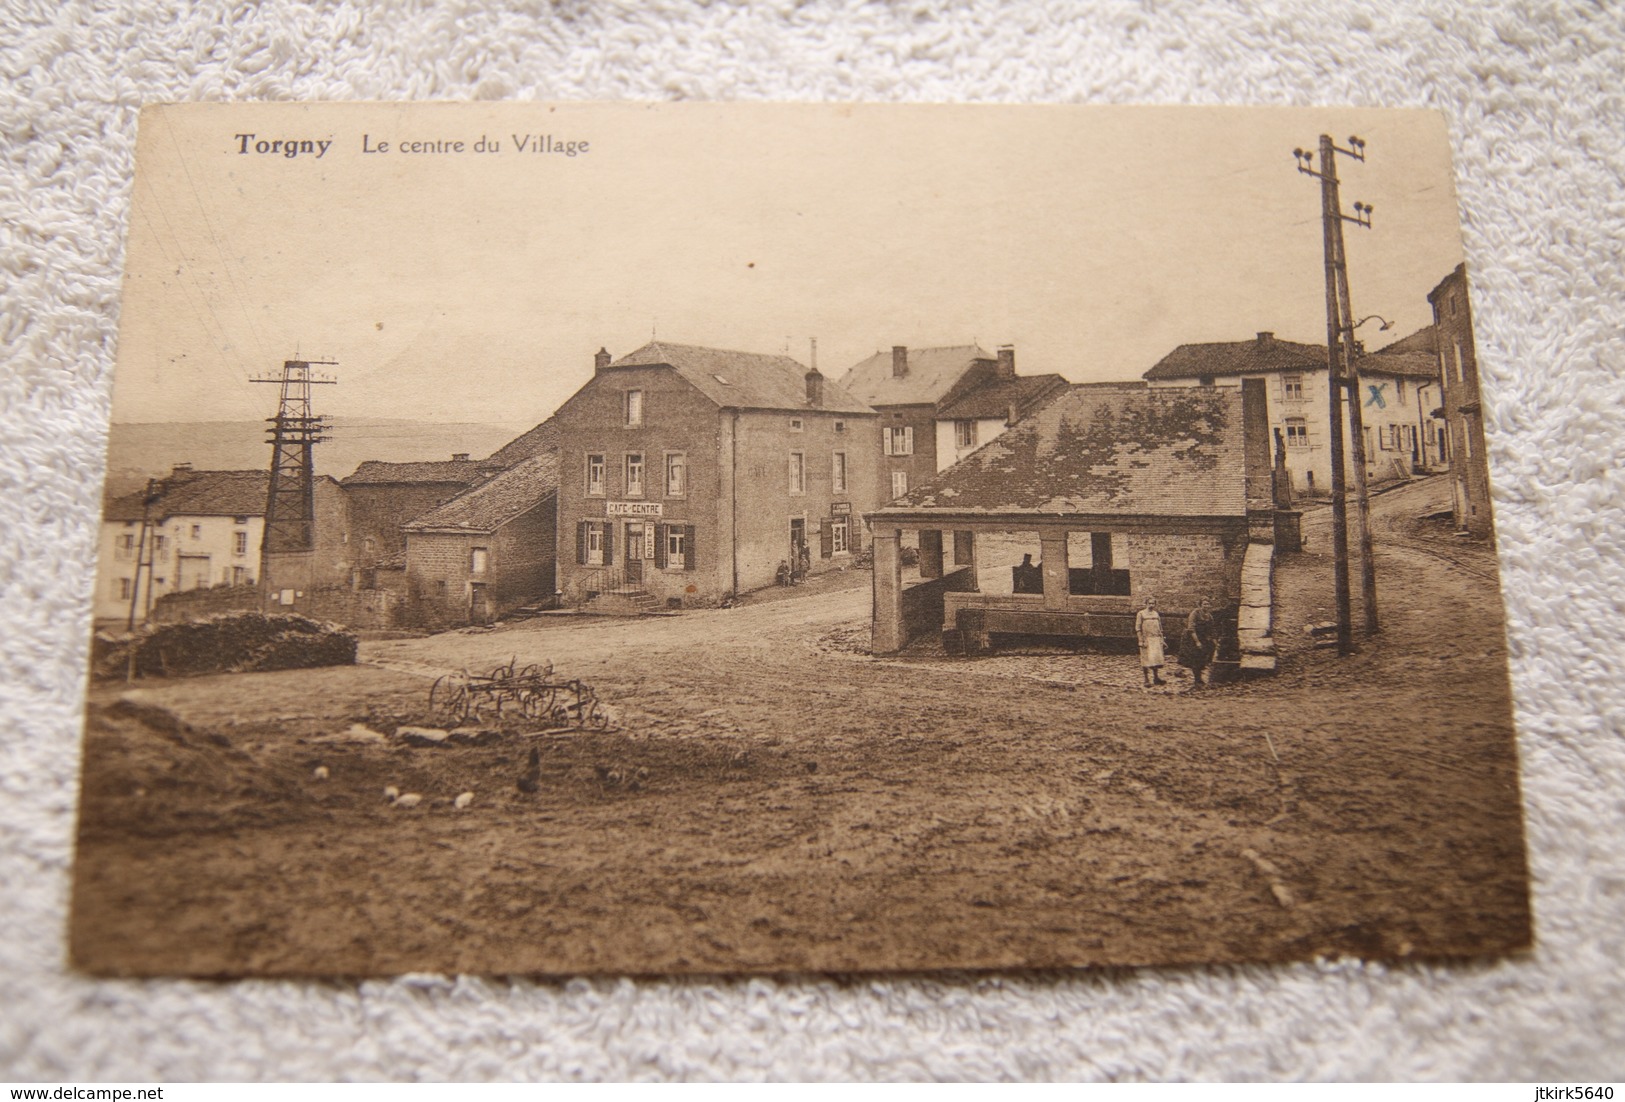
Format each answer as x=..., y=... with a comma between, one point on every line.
x=475, y=286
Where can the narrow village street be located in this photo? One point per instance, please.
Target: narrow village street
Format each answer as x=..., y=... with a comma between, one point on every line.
x=772, y=798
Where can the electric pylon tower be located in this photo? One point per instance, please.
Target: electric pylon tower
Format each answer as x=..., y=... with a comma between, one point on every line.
x=290, y=506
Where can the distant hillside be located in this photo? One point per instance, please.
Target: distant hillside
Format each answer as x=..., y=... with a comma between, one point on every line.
x=138, y=452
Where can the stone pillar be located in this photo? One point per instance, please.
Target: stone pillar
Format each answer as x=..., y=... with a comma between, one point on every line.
x=1055, y=569
x=888, y=633
x=930, y=553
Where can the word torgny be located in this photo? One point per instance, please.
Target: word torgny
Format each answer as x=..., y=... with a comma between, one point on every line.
x=288, y=147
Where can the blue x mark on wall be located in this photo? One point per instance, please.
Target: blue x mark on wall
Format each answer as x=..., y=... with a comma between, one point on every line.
x=1376, y=398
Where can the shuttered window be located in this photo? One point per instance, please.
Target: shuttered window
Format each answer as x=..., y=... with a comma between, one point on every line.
x=674, y=547
x=594, y=543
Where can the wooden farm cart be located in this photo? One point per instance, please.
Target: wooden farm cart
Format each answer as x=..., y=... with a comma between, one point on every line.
x=532, y=691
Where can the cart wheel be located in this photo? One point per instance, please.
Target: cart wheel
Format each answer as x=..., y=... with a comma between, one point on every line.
x=449, y=694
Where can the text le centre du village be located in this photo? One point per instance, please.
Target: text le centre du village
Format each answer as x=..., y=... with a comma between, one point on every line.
x=316, y=148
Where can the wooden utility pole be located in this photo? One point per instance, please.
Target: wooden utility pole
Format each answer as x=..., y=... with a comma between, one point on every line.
x=144, y=551
x=1351, y=380
x=1341, y=378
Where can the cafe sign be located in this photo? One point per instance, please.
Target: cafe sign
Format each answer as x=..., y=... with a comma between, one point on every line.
x=634, y=509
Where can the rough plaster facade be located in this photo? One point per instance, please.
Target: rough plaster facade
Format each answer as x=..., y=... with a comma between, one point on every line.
x=1463, y=408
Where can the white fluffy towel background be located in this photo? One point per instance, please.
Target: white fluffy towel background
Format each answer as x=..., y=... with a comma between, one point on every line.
x=1532, y=90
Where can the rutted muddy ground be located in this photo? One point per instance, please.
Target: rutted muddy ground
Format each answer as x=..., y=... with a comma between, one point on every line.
x=772, y=799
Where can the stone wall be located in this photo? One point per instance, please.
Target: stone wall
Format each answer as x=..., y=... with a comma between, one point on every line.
x=1178, y=568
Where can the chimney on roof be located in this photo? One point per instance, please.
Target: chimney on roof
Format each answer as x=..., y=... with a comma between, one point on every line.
x=601, y=360
x=1007, y=362
x=815, y=388
x=1266, y=338
x=899, y=360
x=457, y=456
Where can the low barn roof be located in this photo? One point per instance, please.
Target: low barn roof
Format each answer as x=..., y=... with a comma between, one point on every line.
x=376, y=472
x=1104, y=451
x=932, y=372
x=742, y=380
x=490, y=505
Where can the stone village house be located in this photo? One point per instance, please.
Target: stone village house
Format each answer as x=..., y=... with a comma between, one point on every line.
x=206, y=531
x=937, y=405
x=688, y=474
x=1071, y=518
x=1394, y=401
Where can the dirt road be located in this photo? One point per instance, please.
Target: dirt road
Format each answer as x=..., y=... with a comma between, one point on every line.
x=775, y=801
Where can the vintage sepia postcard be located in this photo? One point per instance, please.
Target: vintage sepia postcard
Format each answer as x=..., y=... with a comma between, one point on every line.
x=781, y=538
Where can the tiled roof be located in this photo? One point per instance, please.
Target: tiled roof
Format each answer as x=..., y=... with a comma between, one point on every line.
x=1263, y=354
x=377, y=472
x=1415, y=357
x=198, y=494
x=130, y=506
x=1104, y=451
x=1412, y=357
x=544, y=437
x=490, y=505
x=996, y=398
x=216, y=493
x=932, y=372
x=742, y=380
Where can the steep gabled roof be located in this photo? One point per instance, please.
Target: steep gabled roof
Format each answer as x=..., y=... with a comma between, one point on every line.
x=376, y=472
x=1103, y=451
x=932, y=372
x=490, y=505
x=544, y=437
x=995, y=398
x=742, y=380
x=1261, y=355
x=1414, y=357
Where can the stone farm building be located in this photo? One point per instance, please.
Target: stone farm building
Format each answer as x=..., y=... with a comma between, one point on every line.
x=384, y=496
x=488, y=550
x=1071, y=518
x=1295, y=382
x=687, y=474
x=938, y=405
